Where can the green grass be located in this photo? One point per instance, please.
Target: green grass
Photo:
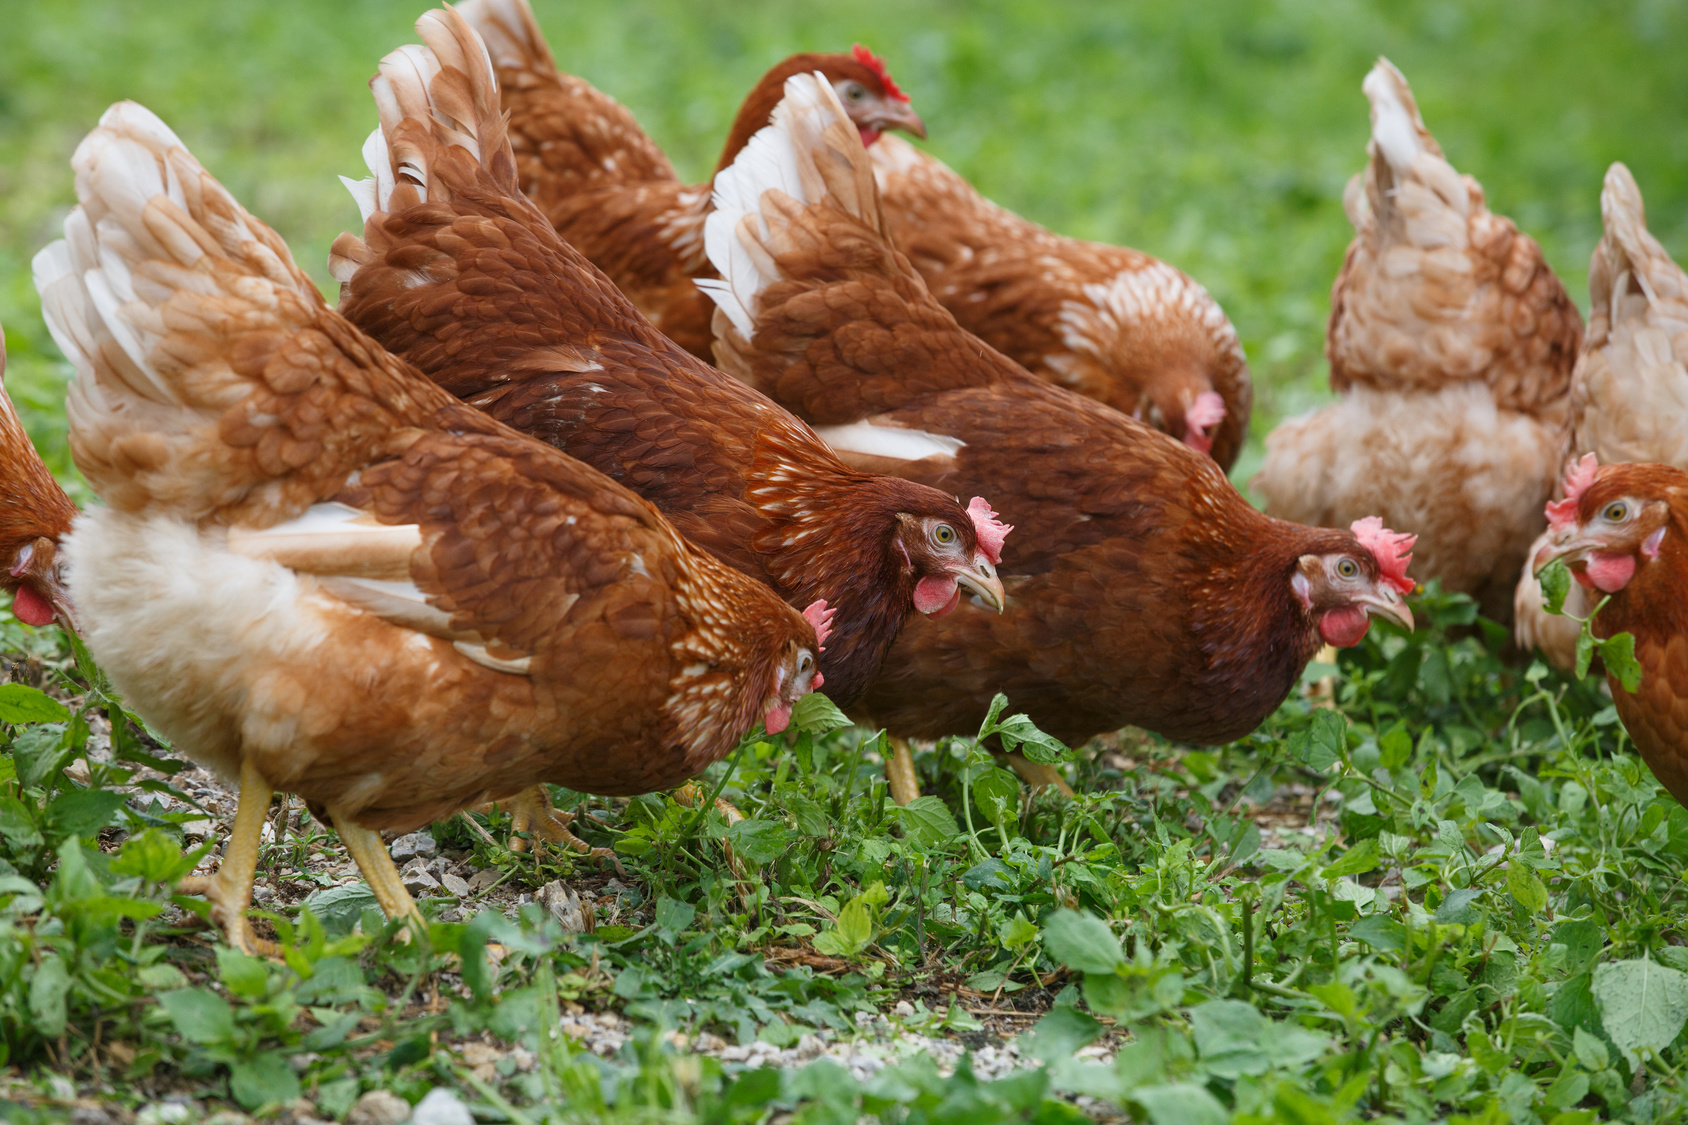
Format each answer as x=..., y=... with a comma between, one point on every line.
x=1486, y=928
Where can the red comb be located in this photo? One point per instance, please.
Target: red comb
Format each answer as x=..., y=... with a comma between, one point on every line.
x=818, y=615
x=990, y=530
x=876, y=64
x=1392, y=550
x=1562, y=514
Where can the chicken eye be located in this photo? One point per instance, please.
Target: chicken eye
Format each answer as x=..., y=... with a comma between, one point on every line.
x=1616, y=511
x=855, y=92
x=804, y=663
x=944, y=534
x=1348, y=568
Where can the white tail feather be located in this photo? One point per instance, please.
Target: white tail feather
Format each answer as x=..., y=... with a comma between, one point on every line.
x=781, y=157
x=1395, y=120
x=510, y=32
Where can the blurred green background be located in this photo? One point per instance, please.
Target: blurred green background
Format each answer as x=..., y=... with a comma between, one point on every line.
x=1215, y=135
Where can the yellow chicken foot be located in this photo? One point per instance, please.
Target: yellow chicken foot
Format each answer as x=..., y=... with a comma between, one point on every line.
x=1038, y=775
x=1323, y=690
x=230, y=889
x=899, y=771
x=376, y=863
x=531, y=811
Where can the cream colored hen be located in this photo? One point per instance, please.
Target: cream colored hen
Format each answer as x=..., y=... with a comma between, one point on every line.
x=1629, y=394
x=1451, y=343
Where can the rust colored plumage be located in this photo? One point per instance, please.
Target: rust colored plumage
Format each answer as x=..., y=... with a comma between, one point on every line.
x=607, y=188
x=1142, y=588
x=318, y=571
x=34, y=515
x=1625, y=534
x=457, y=273
x=1109, y=322
x=1451, y=342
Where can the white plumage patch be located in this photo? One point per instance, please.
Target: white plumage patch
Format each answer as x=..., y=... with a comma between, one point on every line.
x=1393, y=127
x=894, y=442
x=771, y=160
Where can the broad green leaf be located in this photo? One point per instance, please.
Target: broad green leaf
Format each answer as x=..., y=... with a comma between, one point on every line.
x=1585, y=652
x=1525, y=886
x=244, y=976
x=264, y=1079
x=1555, y=582
x=20, y=703
x=1321, y=745
x=1060, y=1034
x=153, y=855
x=18, y=826
x=40, y=752
x=339, y=908
x=1591, y=1052
x=1457, y=908
x=1082, y=941
x=759, y=841
x=998, y=702
x=82, y=812
x=199, y=1014
x=1395, y=749
x=1643, y=1004
x=1018, y=732
x=48, y=988
x=817, y=714
x=1180, y=1103
x=1016, y=933
x=1357, y=860
x=997, y=793
x=673, y=917
x=852, y=933
x=928, y=821
x=1619, y=654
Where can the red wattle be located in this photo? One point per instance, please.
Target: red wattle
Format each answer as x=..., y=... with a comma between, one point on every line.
x=936, y=596
x=777, y=719
x=31, y=608
x=1610, y=572
x=868, y=135
x=1345, y=627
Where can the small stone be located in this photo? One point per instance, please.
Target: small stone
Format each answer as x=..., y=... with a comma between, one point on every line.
x=91, y=1114
x=483, y=879
x=477, y=1053
x=735, y=1053
x=523, y=1058
x=416, y=879
x=413, y=844
x=228, y=1117
x=379, y=1107
x=455, y=884
x=198, y=829
x=565, y=906
x=167, y=1113
x=810, y=1047
x=441, y=1107
x=904, y=1009
x=709, y=1043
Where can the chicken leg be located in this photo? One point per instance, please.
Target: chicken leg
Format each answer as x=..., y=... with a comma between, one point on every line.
x=230, y=889
x=1038, y=775
x=899, y=771
x=376, y=863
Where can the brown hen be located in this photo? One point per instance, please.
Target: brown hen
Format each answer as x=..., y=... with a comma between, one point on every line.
x=35, y=515
x=317, y=571
x=1451, y=343
x=459, y=275
x=607, y=188
x=1141, y=587
x=1106, y=321
x=1629, y=392
x=1623, y=532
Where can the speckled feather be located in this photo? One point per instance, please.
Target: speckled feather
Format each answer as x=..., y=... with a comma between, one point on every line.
x=473, y=286
x=219, y=405
x=32, y=505
x=1106, y=321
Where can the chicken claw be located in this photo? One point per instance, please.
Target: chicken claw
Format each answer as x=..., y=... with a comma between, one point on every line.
x=1038, y=775
x=531, y=811
x=230, y=889
x=376, y=864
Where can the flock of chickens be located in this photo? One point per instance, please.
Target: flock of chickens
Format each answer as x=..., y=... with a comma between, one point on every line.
x=592, y=470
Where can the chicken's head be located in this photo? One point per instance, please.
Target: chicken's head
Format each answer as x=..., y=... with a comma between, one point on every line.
x=945, y=555
x=1342, y=590
x=1613, y=522
x=797, y=672
x=38, y=592
x=865, y=88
